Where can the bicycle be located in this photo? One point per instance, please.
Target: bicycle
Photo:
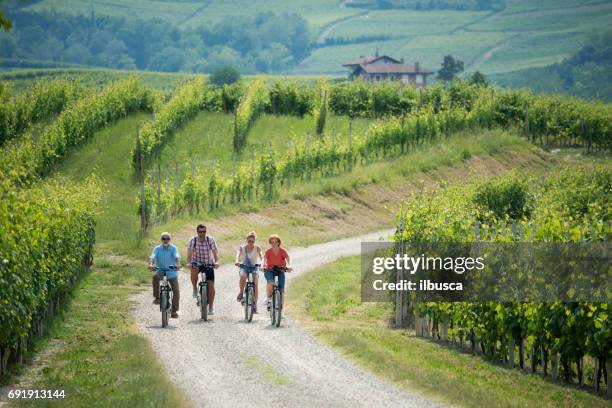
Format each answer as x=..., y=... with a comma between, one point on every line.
x=165, y=294
x=276, y=308
x=202, y=301
x=248, y=299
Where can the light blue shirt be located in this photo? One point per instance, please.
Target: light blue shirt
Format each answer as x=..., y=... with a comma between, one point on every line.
x=163, y=258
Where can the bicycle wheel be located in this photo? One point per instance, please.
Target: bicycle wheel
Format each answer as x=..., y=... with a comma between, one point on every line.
x=272, y=307
x=204, y=302
x=278, y=307
x=163, y=305
x=248, y=303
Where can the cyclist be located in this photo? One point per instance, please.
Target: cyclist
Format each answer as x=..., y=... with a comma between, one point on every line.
x=203, y=249
x=275, y=256
x=248, y=254
x=162, y=257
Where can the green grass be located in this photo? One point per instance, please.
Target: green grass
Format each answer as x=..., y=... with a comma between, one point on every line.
x=329, y=299
x=203, y=140
x=97, y=355
x=406, y=23
x=108, y=156
x=389, y=173
x=269, y=373
x=209, y=137
x=546, y=36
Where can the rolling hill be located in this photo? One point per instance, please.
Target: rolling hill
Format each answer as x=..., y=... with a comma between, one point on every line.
x=496, y=38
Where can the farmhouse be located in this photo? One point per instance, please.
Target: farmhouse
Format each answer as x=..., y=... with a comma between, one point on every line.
x=382, y=67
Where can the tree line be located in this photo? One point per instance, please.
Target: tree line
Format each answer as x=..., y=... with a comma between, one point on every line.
x=266, y=42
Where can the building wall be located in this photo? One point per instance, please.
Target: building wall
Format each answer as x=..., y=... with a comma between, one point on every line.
x=418, y=80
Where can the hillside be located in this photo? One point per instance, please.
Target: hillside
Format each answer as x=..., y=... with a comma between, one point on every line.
x=314, y=161
x=498, y=38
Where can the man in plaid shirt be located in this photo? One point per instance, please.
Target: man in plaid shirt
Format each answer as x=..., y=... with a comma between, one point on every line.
x=203, y=249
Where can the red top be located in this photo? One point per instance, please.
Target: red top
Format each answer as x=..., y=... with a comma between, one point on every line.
x=278, y=259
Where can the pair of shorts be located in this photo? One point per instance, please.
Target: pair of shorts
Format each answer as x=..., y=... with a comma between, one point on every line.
x=246, y=270
x=209, y=272
x=269, y=275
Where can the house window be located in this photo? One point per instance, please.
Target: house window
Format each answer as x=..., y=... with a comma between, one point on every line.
x=377, y=77
x=419, y=79
x=392, y=77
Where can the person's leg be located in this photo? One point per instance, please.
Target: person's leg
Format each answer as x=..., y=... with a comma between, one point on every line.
x=270, y=279
x=241, y=284
x=194, y=279
x=155, y=284
x=256, y=286
x=281, y=286
x=176, y=295
x=210, y=279
x=211, y=294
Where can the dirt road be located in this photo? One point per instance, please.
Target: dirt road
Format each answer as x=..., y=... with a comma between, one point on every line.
x=227, y=362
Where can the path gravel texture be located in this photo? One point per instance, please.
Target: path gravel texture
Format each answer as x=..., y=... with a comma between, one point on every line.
x=226, y=362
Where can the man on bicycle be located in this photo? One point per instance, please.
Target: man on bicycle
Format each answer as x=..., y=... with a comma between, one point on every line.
x=203, y=249
x=163, y=257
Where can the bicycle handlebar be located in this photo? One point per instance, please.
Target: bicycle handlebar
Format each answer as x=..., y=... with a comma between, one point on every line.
x=250, y=266
x=277, y=269
x=172, y=267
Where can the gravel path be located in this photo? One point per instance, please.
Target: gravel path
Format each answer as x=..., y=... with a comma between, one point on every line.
x=226, y=362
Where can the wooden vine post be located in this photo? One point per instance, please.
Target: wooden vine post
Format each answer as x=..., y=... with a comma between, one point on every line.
x=143, y=201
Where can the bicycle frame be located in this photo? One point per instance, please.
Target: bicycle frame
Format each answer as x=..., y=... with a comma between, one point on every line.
x=202, y=288
x=165, y=294
x=277, y=298
x=249, y=287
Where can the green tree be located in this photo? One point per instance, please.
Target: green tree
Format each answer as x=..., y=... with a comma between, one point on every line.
x=450, y=67
x=478, y=78
x=5, y=23
x=226, y=74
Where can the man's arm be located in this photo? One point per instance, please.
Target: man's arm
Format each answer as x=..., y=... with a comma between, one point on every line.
x=152, y=259
x=216, y=256
x=189, y=253
x=215, y=251
x=178, y=259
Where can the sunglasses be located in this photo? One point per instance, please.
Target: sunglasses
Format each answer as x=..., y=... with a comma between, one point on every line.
x=165, y=239
x=250, y=240
x=202, y=232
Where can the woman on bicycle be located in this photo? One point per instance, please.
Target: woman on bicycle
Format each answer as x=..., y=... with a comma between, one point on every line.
x=275, y=256
x=248, y=255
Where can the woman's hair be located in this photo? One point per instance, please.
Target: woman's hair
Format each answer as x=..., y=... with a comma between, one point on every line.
x=251, y=234
x=274, y=236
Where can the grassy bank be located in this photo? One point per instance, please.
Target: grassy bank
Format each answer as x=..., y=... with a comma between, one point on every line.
x=335, y=206
x=328, y=299
x=92, y=349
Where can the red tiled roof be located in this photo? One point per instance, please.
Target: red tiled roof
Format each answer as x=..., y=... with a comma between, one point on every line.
x=362, y=60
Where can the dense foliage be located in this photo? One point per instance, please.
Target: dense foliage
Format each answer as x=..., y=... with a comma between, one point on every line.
x=570, y=329
x=41, y=101
x=47, y=240
x=187, y=101
x=30, y=158
x=252, y=104
x=266, y=42
x=411, y=119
